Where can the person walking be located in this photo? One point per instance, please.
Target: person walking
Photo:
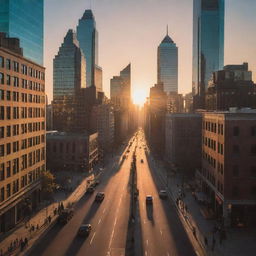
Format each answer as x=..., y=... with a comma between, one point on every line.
x=206, y=241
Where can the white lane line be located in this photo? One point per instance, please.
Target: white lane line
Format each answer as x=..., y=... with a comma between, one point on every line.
x=168, y=254
x=99, y=221
x=146, y=253
x=144, y=222
x=111, y=238
x=92, y=237
x=161, y=232
x=104, y=210
x=147, y=242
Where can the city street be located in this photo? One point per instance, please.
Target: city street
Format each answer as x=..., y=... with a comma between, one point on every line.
x=161, y=230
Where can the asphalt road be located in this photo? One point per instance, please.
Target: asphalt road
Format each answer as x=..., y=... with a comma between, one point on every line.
x=159, y=228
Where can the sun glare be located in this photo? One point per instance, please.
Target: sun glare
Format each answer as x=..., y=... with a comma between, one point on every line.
x=139, y=96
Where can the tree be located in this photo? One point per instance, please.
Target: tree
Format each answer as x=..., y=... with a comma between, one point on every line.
x=48, y=184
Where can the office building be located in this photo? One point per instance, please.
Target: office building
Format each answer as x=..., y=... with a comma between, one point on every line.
x=228, y=165
x=24, y=19
x=208, y=45
x=167, y=64
x=183, y=135
x=71, y=151
x=22, y=133
x=87, y=36
x=231, y=87
x=68, y=80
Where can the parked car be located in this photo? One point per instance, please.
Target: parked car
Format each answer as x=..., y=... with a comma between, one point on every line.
x=142, y=161
x=90, y=189
x=84, y=230
x=100, y=197
x=65, y=216
x=149, y=199
x=163, y=194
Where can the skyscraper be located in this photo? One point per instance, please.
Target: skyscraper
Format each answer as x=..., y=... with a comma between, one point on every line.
x=208, y=45
x=68, y=79
x=167, y=64
x=87, y=36
x=24, y=19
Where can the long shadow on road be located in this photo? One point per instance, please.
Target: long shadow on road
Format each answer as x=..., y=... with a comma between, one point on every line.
x=181, y=240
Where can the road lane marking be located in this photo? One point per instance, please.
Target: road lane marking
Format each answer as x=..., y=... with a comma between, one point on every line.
x=92, y=237
x=147, y=241
x=104, y=210
x=146, y=253
x=99, y=221
x=144, y=222
x=111, y=238
x=161, y=232
x=168, y=254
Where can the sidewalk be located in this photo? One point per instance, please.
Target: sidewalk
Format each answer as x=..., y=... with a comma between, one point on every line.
x=239, y=242
x=39, y=221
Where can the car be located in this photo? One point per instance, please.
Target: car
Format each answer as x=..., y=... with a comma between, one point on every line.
x=163, y=194
x=100, y=196
x=65, y=216
x=124, y=156
x=84, y=230
x=149, y=199
x=142, y=161
x=90, y=189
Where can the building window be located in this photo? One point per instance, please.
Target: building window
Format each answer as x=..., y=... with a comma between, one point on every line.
x=8, y=148
x=1, y=62
x=2, y=113
x=1, y=132
x=253, y=150
x=8, y=169
x=2, y=194
x=8, y=64
x=2, y=174
x=253, y=131
x=8, y=80
x=8, y=131
x=1, y=78
x=8, y=190
x=1, y=150
x=236, y=149
x=1, y=94
x=235, y=171
x=8, y=113
x=236, y=131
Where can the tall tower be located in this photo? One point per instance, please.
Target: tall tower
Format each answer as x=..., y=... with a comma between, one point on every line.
x=87, y=36
x=208, y=45
x=24, y=19
x=167, y=64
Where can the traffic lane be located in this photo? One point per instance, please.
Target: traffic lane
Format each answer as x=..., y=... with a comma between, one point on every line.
x=164, y=214
x=58, y=239
x=106, y=222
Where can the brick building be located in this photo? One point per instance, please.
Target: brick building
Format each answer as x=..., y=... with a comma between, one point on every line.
x=22, y=133
x=228, y=174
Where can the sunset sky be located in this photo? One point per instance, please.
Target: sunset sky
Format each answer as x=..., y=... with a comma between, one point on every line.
x=131, y=30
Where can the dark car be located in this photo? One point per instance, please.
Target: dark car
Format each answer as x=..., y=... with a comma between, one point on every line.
x=84, y=230
x=90, y=190
x=142, y=161
x=163, y=194
x=100, y=197
x=65, y=216
x=149, y=199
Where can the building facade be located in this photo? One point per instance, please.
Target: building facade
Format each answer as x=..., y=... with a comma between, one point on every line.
x=228, y=165
x=231, y=87
x=27, y=25
x=208, y=45
x=71, y=151
x=167, y=64
x=183, y=135
x=22, y=133
x=87, y=36
x=68, y=80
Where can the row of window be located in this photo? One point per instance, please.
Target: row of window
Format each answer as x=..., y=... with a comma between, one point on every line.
x=8, y=112
x=14, y=130
x=16, y=82
x=210, y=143
x=24, y=69
x=212, y=127
x=236, y=191
x=14, y=187
x=210, y=177
x=211, y=160
x=8, y=148
x=236, y=131
x=23, y=97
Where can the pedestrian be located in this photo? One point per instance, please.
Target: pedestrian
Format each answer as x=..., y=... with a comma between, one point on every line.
x=49, y=219
x=22, y=245
x=37, y=226
x=205, y=241
x=26, y=241
x=21, y=241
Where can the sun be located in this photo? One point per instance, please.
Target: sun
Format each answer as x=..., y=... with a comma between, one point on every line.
x=139, y=96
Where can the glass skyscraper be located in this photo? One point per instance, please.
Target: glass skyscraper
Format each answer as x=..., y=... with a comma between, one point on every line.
x=24, y=19
x=68, y=67
x=87, y=36
x=208, y=45
x=167, y=64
